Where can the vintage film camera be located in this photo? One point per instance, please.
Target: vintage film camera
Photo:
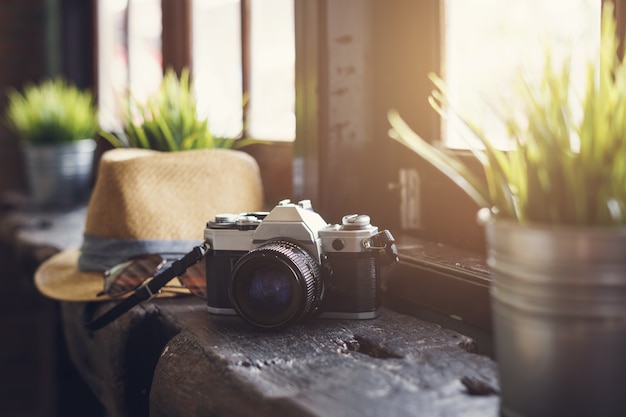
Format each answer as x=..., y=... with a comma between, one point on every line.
x=275, y=268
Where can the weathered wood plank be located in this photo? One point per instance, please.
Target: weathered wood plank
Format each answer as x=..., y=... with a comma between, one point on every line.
x=117, y=362
x=395, y=365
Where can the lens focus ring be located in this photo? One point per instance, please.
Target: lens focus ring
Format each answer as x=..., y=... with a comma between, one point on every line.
x=276, y=284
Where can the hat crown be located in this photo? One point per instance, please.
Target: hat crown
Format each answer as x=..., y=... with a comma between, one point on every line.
x=149, y=195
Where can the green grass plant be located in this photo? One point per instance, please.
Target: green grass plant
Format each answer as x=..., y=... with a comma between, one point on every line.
x=168, y=121
x=567, y=162
x=52, y=112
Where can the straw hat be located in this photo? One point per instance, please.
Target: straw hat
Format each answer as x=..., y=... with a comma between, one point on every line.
x=147, y=201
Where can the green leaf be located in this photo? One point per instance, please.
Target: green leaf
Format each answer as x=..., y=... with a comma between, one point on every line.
x=451, y=167
x=169, y=120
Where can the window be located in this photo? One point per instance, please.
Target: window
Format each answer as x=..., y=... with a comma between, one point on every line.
x=217, y=65
x=487, y=42
x=241, y=54
x=129, y=54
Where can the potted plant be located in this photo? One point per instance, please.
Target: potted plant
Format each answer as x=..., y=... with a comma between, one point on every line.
x=56, y=123
x=554, y=211
x=168, y=121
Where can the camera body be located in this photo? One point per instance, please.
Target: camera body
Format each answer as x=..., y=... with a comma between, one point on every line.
x=278, y=267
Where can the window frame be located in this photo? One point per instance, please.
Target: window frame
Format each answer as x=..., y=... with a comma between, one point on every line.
x=176, y=42
x=329, y=134
x=340, y=64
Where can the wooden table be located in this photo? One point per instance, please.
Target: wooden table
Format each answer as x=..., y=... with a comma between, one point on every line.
x=170, y=357
x=395, y=365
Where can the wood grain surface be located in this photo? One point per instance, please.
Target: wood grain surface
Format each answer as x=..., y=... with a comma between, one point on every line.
x=395, y=365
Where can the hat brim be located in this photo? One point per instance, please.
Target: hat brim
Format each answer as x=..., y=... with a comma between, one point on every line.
x=59, y=278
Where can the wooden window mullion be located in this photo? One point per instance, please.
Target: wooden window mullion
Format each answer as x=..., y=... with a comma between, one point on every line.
x=246, y=59
x=176, y=35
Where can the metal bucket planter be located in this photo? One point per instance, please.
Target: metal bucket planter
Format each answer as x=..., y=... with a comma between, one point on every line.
x=559, y=308
x=59, y=175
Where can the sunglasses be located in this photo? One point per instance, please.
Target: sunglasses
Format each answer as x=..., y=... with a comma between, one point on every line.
x=130, y=274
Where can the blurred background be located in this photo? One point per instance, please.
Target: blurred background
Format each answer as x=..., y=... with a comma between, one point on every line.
x=38, y=39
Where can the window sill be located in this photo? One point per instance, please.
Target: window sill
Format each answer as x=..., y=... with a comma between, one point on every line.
x=449, y=281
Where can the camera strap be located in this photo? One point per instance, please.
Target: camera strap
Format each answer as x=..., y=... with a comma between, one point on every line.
x=148, y=289
x=384, y=242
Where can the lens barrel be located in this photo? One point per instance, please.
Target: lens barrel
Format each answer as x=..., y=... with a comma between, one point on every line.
x=276, y=284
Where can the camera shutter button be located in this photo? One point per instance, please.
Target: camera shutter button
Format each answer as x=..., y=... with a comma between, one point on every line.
x=225, y=218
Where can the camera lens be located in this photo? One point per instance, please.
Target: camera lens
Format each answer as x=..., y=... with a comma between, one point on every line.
x=269, y=289
x=275, y=284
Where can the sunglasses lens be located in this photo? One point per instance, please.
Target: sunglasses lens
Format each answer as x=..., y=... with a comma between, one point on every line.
x=130, y=274
x=195, y=279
